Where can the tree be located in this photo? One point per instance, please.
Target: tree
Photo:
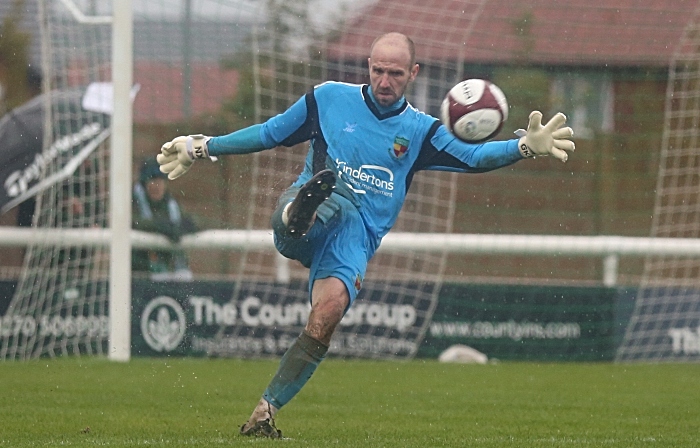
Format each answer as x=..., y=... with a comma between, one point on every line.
x=14, y=66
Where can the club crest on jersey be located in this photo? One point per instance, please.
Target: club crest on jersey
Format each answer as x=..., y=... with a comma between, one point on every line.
x=358, y=282
x=400, y=147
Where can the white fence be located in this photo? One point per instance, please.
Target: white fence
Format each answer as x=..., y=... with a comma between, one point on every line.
x=610, y=248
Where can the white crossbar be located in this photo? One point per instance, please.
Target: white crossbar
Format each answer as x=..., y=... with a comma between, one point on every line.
x=394, y=242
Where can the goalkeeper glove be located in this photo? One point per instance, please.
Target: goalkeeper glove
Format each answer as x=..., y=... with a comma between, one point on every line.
x=177, y=156
x=544, y=140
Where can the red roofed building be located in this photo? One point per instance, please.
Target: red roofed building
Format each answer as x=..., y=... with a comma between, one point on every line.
x=591, y=51
x=618, y=33
x=161, y=98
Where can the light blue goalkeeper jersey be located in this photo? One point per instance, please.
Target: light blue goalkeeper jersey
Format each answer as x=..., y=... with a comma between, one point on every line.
x=375, y=151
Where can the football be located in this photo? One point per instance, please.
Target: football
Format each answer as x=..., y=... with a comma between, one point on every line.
x=474, y=110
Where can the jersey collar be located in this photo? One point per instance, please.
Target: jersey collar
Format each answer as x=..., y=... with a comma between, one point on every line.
x=379, y=111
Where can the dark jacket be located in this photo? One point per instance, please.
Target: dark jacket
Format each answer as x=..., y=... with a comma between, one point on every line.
x=164, y=217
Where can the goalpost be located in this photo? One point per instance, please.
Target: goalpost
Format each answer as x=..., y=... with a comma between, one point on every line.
x=120, y=184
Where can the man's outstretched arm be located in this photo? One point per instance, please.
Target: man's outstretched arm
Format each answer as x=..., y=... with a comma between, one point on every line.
x=177, y=156
x=454, y=155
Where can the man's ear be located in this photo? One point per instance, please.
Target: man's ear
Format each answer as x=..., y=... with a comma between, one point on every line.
x=414, y=72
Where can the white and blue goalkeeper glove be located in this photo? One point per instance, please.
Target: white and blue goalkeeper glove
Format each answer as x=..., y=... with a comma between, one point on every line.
x=550, y=139
x=177, y=156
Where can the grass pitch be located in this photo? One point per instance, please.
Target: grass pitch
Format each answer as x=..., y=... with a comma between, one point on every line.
x=163, y=402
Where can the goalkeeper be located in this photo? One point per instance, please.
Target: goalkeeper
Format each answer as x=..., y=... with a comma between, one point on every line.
x=366, y=144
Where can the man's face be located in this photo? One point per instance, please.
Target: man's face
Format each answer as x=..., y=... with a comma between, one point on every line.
x=390, y=70
x=156, y=188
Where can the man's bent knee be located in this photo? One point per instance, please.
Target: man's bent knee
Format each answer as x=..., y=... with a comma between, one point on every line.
x=329, y=299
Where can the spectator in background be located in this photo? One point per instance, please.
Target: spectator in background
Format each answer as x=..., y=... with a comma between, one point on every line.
x=154, y=209
x=25, y=210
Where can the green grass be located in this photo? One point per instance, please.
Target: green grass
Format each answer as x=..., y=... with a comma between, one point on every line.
x=201, y=403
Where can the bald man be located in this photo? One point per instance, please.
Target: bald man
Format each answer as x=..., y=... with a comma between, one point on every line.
x=366, y=144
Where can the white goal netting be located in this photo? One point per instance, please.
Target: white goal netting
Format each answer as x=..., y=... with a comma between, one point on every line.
x=215, y=66
x=60, y=302
x=665, y=324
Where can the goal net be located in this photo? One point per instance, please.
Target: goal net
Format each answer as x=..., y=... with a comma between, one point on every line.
x=665, y=324
x=60, y=302
x=216, y=66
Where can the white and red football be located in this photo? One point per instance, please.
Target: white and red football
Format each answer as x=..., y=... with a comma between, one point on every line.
x=474, y=110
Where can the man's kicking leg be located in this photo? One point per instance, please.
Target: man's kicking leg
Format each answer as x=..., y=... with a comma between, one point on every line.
x=329, y=299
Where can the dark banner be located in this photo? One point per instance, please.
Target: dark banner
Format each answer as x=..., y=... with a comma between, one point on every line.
x=216, y=319
x=7, y=290
x=511, y=322
x=525, y=322
x=23, y=172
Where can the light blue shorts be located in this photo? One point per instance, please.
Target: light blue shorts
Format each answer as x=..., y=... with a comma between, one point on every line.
x=337, y=245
